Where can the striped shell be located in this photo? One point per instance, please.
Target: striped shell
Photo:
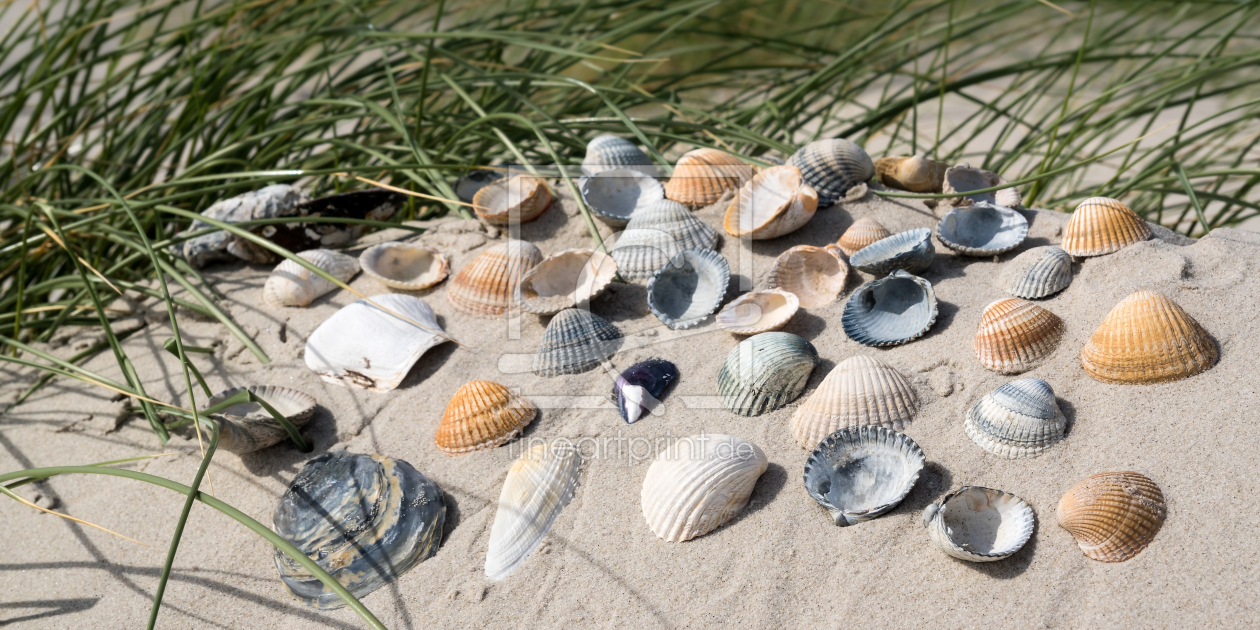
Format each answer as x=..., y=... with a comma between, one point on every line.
x=639, y=254
x=816, y=275
x=247, y=427
x=915, y=173
x=674, y=219
x=703, y=176
x=614, y=195
x=758, y=312
x=832, y=167
x=911, y=250
x=566, y=279
x=890, y=311
x=404, y=266
x=863, y=232
x=979, y=524
x=774, y=202
x=860, y=473
x=859, y=391
x=1113, y=515
x=1015, y=336
x=1101, y=225
x=482, y=414
x=1148, y=338
x=765, y=372
x=540, y=483
x=606, y=153
x=291, y=284
x=1037, y=273
x=575, y=341
x=490, y=284
x=1018, y=419
x=362, y=345
x=964, y=178
x=699, y=484
x=518, y=199
x=982, y=229
x=688, y=289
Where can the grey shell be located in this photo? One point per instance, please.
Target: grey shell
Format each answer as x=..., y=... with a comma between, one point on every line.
x=614, y=195
x=688, y=289
x=859, y=473
x=765, y=372
x=1018, y=419
x=278, y=200
x=979, y=524
x=674, y=219
x=1037, y=273
x=641, y=253
x=610, y=152
x=247, y=427
x=832, y=167
x=890, y=311
x=575, y=341
x=911, y=250
x=982, y=229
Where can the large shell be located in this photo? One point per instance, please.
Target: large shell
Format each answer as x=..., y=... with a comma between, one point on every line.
x=863, y=232
x=405, y=266
x=673, y=219
x=774, y=202
x=638, y=389
x=1015, y=336
x=1113, y=515
x=482, y=414
x=815, y=275
x=566, y=279
x=832, y=167
x=911, y=250
x=365, y=519
x=1037, y=273
x=639, y=254
x=541, y=482
x=614, y=195
x=702, y=176
x=291, y=284
x=915, y=173
x=982, y=229
x=1148, y=338
x=606, y=153
x=490, y=284
x=862, y=472
x=979, y=524
x=890, y=311
x=1018, y=419
x=517, y=199
x=859, y=391
x=247, y=427
x=688, y=289
x=575, y=341
x=765, y=372
x=1101, y=225
x=699, y=484
x=364, y=346
x=267, y=202
x=964, y=178
x=758, y=312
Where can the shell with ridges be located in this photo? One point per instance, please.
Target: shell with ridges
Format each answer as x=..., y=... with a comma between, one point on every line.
x=816, y=275
x=482, y=414
x=615, y=195
x=364, y=346
x=859, y=391
x=674, y=219
x=606, y=152
x=911, y=250
x=540, y=483
x=639, y=254
x=1101, y=225
x=688, y=289
x=1037, y=273
x=979, y=524
x=699, y=484
x=575, y=341
x=1016, y=335
x=758, y=312
x=518, y=199
x=863, y=232
x=890, y=311
x=1148, y=338
x=703, y=176
x=404, y=266
x=247, y=427
x=1113, y=515
x=862, y=472
x=832, y=167
x=765, y=372
x=774, y=202
x=982, y=229
x=1018, y=419
x=291, y=284
x=490, y=284
x=566, y=279
x=914, y=173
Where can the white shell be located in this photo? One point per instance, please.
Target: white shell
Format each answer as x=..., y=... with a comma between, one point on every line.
x=698, y=484
x=615, y=195
x=247, y=427
x=1037, y=273
x=364, y=346
x=566, y=279
x=758, y=312
x=979, y=524
x=404, y=266
x=982, y=229
x=540, y=483
x=860, y=390
x=291, y=284
x=1018, y=419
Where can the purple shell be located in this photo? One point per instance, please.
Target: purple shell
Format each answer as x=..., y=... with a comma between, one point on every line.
x=639, y=388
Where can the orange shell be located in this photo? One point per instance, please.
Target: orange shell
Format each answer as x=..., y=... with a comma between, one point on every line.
x=1015, y=335
x=482, y=414
x=915, y=173
x=863, y=232
x=1113, y=515
x=1101, y=225
x=774, y=202
x=487, y=286
x=1147, y=338
x=702, y=176
x=518, y=199
x=816, y=275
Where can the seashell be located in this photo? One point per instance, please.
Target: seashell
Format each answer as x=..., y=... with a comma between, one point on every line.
x=765, y=372
x=482, y=414
x=405, y=266
x=963, y=178
x=566, y=279
x=365, y=519
x=703, y=176
x=1018, y=419
x=674, y=219
x=1008, y=197
x=517, y=199
x=575, y=341
x=915, y=173
x=638, y=389
x=1101, y=225
x=832, y=167
x=911, y=250
x=605, y=153
x=267, y=202
x=247, y=427
x=1148, y=338
x=490, y=284
x=758, y=312
x=1014, y=336
x=639, y=254
x=688, y=289
x=614, y=195
x=890, y=311
x=979, y=524
x=1113, y=515
x=291, y=284
x=815, y=275
x=982, y=229
x=859, y=391
x=699, y=484
x=860, y=473
x=1037, y=273
x=774, y=202
x=372, y=204
x=364, y=346
x=541, y=482
x=466, y=187
x=863, y=232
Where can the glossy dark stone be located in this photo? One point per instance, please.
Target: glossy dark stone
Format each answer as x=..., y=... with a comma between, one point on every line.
x=638, y=382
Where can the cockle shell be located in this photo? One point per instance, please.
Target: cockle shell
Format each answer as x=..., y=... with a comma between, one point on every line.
x=699, y=484
x=517, y=199
x=862, y=472
x=703, y=176
x=566, y=279
x=774, y=202
x=815, y=275
x=758, y=312
x=1018, y=419
x=268, y=202
x=575, y=341
x=1113, y=515
x=979, y=524
x=1101, y=225
x=614, y=195
x=639, y=254
x=863, y=232
x=247, y=427
x=605, y=153
x=832, y=167
x=688, y=289
x=963, y=178
x=674, y=219
x=364, y=346
x=291, y=284
x=482, y=414
x=490, y=284
x=911, y=250
x=765, y=372
x=890, y=311
x=541, y=482
x=365, y=519
x=859, y=391
x=1015, y=336
x=1148, y=338
x=639, y=388
x=405, y=266
x=982, y=229
x=1037, y=273
x=915, y=173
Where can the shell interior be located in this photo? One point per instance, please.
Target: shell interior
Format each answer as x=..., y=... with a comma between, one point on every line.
x=816, y=275
x=979, y=524
x=1018, y=419
x=774, y=202
x=361, y=345
x=404, y=265
x=862, y=472
x=566, y=279
x=765, y=372
x=519, y=198
x=758, y=312
x=466, y=187
x=614, y=195
x=246, y=427
x=911, y=250
x=699, y=484
x=541, y=482
x=639, y=388
x=964, y=178
x=890, y=311
x=982, y=229
x=689, y=288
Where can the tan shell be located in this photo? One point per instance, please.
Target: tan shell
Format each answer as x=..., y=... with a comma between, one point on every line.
x=758, y=312
x=1148, y=338
x=963, y=178
x=1101, y=225
x=863, y=232
x=489, y=285
x=292, y=284
x=566, y=279
x=774, y=202
x=518, y=199
x=699, y=484
x=859, y=391
x=482, y=414
x=1113, y=515
x=816, y=275
x=915, y=174
x=404, y=266
x=1015, y=335
x=702, y=176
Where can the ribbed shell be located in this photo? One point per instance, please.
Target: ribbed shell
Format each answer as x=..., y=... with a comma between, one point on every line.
x=1148, y=338
x=1037, y=273
x=911, y=250
x=482, y=414
x=404, y=266
x=890, y=311
x=862, y=472
x=964, y=178
x=518, y=199
x=863, y=232
x=979, y=524
x=702, y=176
x=291, y=284
x=639, y=254
x=915, y=173
x=362, y=345
x=1018, y=419
x=541, y=482
x=699, y=484
x=688, y=289
x=489, y=284
x=774, y=202
x=1015, y=335
x=1101, y=225
x=247, y=427
x=832, y=167
x=611, y=152
x=859, y=391
x=566, y=279
x=982, y=229
x=816, y=275
x=575, y=341
x=614, y=195
x=765, y=372
x=674, y=219
x=1113, y=515
x=758, y=312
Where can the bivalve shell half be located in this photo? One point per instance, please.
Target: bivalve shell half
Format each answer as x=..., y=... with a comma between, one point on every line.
x=1113, y=515
x=832, y=167
x=982, y=229
x=404, y=266
x=915, y=173
x=674, y=219
x=1018, y=419
x=862, y=472
x=1148, y=338
x=859, y=391
x=815, y=275
x=639, y=388
x=1037, y=273
x=963, y=178
x=1101, y=225
x=774, y=202
x=606, y=153
x=247, y=427
x=517, y=199
x=575, y=341
x=703, y=176
x=361, y=345
x=758, y=312
x=615, y=195
x=979, y=524
x=863, y=232
x=890, y=311
x=911, y=250
x=765, y=372
x=566, y=279
x=490, y=284
x=1015, y=336
x=540, y=483
x=699, y=484
x=291, y=284
x=482, y=414
x=688, y=289
x=639, y=254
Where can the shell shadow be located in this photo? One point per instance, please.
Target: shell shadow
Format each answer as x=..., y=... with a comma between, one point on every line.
x=1011, y=567
x=768, y=487
x=947, y=267
x=429, y=363
x=945, y=312
x=547, y=224
x=452, y=518
x=806, y=325
x=821, y=369
x=1069, y=413
x=934, y=482
x=320, y=431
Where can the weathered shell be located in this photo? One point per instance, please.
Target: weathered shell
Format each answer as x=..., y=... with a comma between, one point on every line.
x=758, y=312
x=247, y=427
x=466, y=187
x=405, y=266
x=765, y=372
x=815, y=275
x=365, y=519
x=482, y=414
x=371, y=204
x=1018, y=419
x=1015, y=336
x=1037, y=273
x=606, y=153
x=863, y=232
x=614, y=195
x=699, y=484
x=862, y=472
x=1101, y=225
x=832, y=167
x=575, y=341
x=639, y=254
x=859, y=391
x=703, y=176
x=364, y=346
x=911, y=250
x=890, y=311
x=774, y=202
x=1113, y=515
x=639, y=388
x=490, y=284
x=963, y=178
x=674, y=219
x=982, y=229
x=915, y=173
x=291, y=284
x=517, y=199
x=1148, y=338
x=267, y=202
x=979, y=524
x=566, y=279
x=688, y=289
x=540, y=483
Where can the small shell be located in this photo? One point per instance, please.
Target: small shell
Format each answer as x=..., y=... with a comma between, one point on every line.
x=247, y=427
x=862, y=472
x=915, y=174
x=1148, y=338
x=863, y=232
x=765, y=372
x=1113, y=515
x=703, y=176
x=482, y=414
x=404, y=266
x=758, y=312
x=566, y=279
x=699, y=484
x=639, y=254
x=575, y=341
x=490, y=284
x=291, y=284
x=963, y=178
x=1015, y=336
x=979, y=524
x=1101, y=225
x=606, y=153
x=832, y=167
x=466, y=187
x=911, y=250
x=1018, y=419
x=1008, y=197
x=674, y=219
x=518, y=199
x=541, y=482
x=1037, y=273
x=982, y=229
x=890, y=311
x=815, y=275
x=774, y=202
x=859, y=391
x=639, y=388
x=614, y=195
x=364, y=346
x=688, y=289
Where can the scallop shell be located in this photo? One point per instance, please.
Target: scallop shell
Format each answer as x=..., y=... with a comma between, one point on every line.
x=688, y=289
x=859, y=391
x=774, y=202
x=1148, y=338
x=911, y=250
x=915, y=173
x=979, y=524
x=291, y=284
x=863, y=232
x=1101, y=225
x=1113, y=515
x=890, y=311
x=615, y=195
x=518, y=199
x=404, y=266
x=247, y=427
x=832, y=167
x=964, y=178
x=482, y=414
x=365, y=519
x=364, y=346
x=699, y=484
x=863, y=472
x=490, y=284
x=605, y=153
x=638, y=389
x=639, y=254
x=541, y=482
x=703, y=176
x=575, y=341
x=982, y=229
x=815, y=275
x=765, y=372
x=1037, y=273
x=758, y=312
x=1014, y=336
x=673, y=219
x=566, y=279
x=1018, y=419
